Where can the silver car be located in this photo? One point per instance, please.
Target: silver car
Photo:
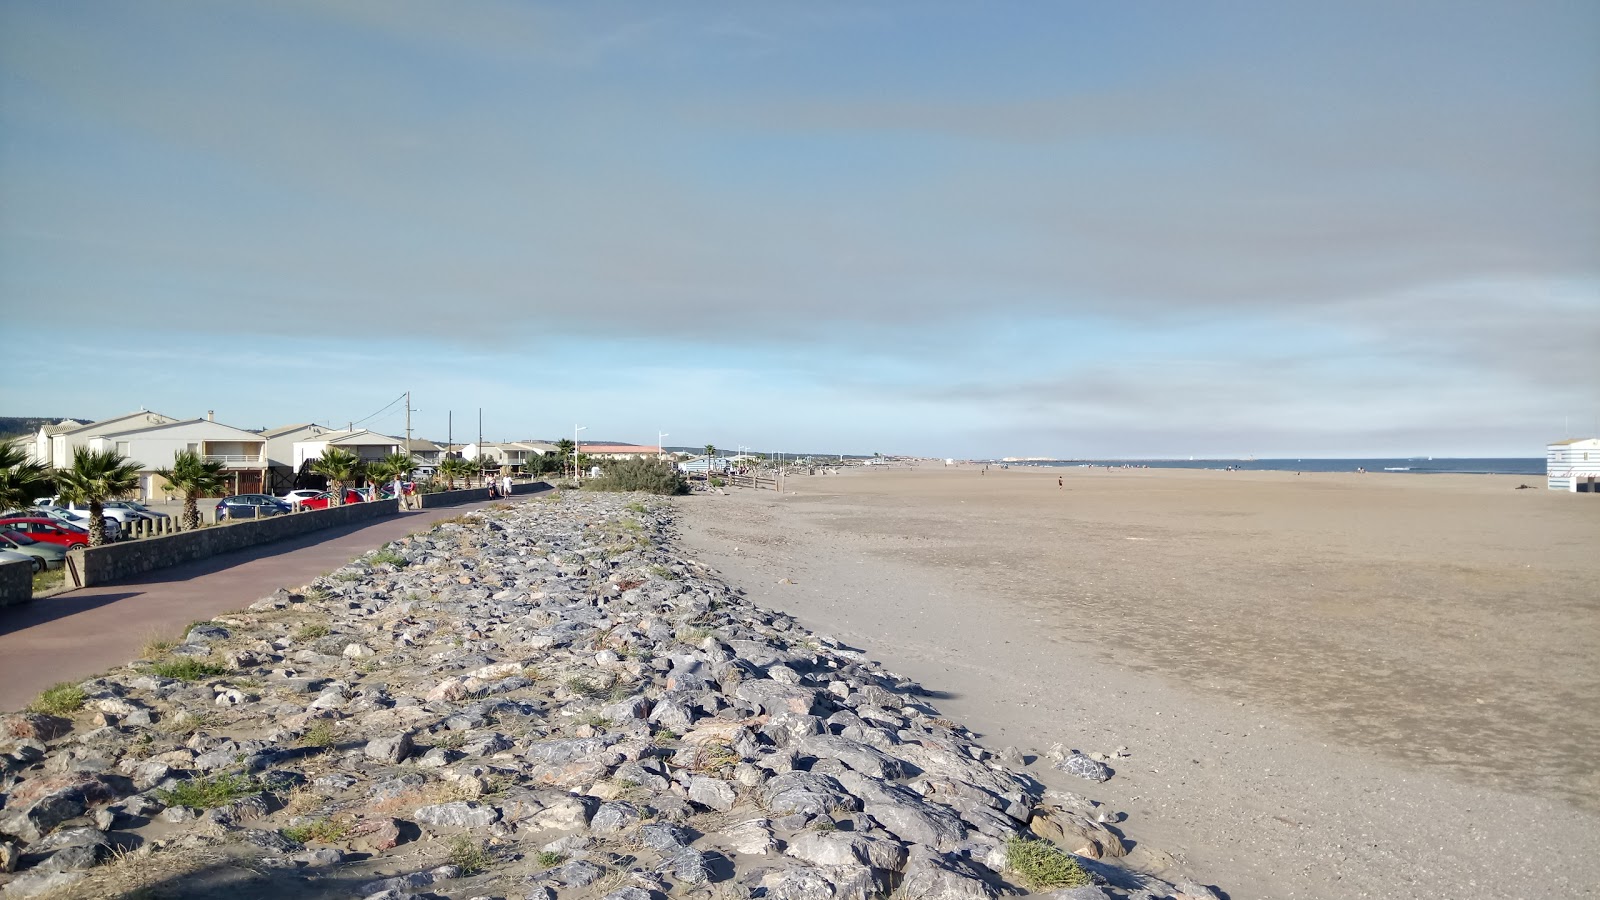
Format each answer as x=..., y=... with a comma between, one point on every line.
x=50, y=556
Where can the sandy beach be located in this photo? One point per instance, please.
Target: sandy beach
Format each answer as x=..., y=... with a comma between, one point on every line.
x=1328, y=685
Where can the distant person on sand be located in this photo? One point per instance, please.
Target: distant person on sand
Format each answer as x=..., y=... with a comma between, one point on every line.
x=1060, y=483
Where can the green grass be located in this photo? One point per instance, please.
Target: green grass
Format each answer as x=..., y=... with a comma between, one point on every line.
x=322, y=830
x=1043, y=865
x=321, y=734
x=49, y=580
x=595, y=721
x=583, y=687
x=549, y=859
x=311, y=632
x=468, y=854
x=208, y=793
x=389, y=557
x=62, y=699
x=187, y=669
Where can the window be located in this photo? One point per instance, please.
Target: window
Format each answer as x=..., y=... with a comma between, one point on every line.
x=123, y=448
x=192, y=448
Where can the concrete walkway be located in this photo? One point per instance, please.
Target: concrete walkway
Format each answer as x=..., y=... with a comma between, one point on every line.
x=72, y=636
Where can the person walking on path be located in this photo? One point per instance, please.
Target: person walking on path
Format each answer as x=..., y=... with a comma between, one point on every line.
x=505, y=486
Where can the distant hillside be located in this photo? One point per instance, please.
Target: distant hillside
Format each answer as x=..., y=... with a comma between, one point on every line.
x=16, y=426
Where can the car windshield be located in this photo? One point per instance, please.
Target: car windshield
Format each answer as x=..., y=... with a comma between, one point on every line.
x=18, y=538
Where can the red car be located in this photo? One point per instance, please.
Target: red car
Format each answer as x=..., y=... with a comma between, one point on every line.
x=45, y=530
x=320, y=501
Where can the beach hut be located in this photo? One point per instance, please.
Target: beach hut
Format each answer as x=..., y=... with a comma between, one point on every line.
x=1573, y=465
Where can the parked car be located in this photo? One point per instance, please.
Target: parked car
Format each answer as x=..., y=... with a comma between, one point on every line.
x=251, y=506
x=113, y=528
x=34, y=562
x=139, y=508
x=294, y=497
x=386, y=490
x=47, y=530
x=54, y=557
x=124, y=515
x=321, y=500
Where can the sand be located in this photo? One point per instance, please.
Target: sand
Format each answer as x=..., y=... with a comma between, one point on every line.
x=1330, y=685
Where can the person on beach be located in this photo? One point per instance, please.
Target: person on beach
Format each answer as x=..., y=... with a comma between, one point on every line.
x=1059, y=483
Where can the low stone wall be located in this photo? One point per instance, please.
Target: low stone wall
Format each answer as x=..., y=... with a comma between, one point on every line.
x=469, y=495
x=113, y=562
x=16, y=582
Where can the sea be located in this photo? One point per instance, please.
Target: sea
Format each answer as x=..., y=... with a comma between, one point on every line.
x=1417, y=465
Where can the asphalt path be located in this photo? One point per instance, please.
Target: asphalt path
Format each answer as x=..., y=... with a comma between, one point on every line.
x=74, y=635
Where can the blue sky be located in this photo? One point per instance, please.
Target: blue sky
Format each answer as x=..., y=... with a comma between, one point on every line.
x=952, y=229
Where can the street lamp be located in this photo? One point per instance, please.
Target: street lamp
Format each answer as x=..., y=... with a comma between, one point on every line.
x=575, y=430
x=660, y=450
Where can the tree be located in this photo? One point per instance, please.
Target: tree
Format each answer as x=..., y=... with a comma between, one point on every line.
x=711, y=450
x=453, y=468
x=395, y=465
x=567, y=450
x=21, y=481
x=192, y=474
x=338, y=466
x=95, y=477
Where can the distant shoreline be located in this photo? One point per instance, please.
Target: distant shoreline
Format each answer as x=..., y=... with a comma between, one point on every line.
x=1467, y=465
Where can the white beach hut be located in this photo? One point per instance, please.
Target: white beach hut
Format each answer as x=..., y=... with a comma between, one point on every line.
x=1573, y=465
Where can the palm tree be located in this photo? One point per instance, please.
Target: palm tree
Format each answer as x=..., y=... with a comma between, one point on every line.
x=391, y=467
x=21, y=481
x=567, y=450
x=192, y=474
x=95, y=477
x=338, y=466
x=453, y=468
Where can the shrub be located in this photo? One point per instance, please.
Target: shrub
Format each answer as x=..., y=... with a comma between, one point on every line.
x=318, y=735
x=187, y=669
x=60, y=700
x=320, y=830
x=390, y=557
x=468, y=855
x=311, y=633
x=549, y=859
x=652, y=476
x=1043, y=865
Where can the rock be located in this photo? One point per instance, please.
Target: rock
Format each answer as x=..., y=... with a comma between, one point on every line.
x=37, y=883
x=752, y=837
x=1077, y=834
x=932, y=876
x=864, y=759
x=615, y=817
x=36, y=806
x=205, y=633
x=579, y=873
x=663, y=838
x=358, y=651
x=319, y=858
x=1083, y=767
x=804, y=792
x=34, y=726
x=392, y=749
x=375, y=835
x=838, y=848
x=459, y=814
x=771, y=697
x=712, y=793
x=9, y=855
x=690, y=866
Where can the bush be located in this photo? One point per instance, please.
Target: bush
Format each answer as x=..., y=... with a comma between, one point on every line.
x=209, y=793
x=468, y=854
x=1043, y=865
x=652, y=476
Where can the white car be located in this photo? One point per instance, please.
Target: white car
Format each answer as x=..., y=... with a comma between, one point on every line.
x=123, y=516
x=34, y=562
x=293, y=498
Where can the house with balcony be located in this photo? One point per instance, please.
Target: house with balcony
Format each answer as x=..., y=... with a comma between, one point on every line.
x=241, y=453
x=426, y=453
x=368, y=446
x=618, y=451
x=515, y=454
x=53, y=444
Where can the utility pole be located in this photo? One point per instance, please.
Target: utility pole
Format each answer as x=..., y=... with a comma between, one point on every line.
x=408, y=423
x=480, y=443
x=449, y=433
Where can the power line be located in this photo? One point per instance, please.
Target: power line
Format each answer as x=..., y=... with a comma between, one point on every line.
x=385, y=406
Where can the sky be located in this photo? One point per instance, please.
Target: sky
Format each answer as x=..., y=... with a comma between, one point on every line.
x=1080, y=230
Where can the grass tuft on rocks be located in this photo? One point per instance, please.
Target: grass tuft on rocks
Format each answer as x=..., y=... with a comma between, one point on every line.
x=209, y=793
x=324, y=830
x=389, y=557
x=61, y=699
x=650, y=476
x=187, y=669
x=549, y=859
x=1044, y=866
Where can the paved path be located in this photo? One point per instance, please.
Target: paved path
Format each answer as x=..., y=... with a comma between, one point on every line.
x=74, y=635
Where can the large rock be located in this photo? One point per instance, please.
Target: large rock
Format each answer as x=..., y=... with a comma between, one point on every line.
x=805, y=792
x=931, y=876
x=837, y=848
x=34, y=726
x=392, y=749
x=459, y=814
x=36, y=806
x=712, y=793
x=614, y=818
x=864, y=759
x=773, y=697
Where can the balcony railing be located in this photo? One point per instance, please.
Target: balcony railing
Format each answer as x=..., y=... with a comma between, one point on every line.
x=233, y=459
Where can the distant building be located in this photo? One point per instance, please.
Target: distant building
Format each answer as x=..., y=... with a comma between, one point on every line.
x=618, y=451
x=1574, y=465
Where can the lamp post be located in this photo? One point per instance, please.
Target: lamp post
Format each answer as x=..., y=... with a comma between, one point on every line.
x=660, y=450
x=575, y=430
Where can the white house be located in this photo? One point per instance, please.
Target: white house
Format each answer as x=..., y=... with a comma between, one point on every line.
x=368, y=446
x=510, y=453
x=53, y=445
x=241, y=453
x=1573, y=465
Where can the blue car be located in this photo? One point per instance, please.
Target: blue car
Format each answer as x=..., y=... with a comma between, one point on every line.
x=251, y=506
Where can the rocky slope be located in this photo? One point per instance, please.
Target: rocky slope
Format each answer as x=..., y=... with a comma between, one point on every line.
x=544, y=700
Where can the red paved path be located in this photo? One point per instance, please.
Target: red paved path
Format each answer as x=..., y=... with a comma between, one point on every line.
x=71, y=636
